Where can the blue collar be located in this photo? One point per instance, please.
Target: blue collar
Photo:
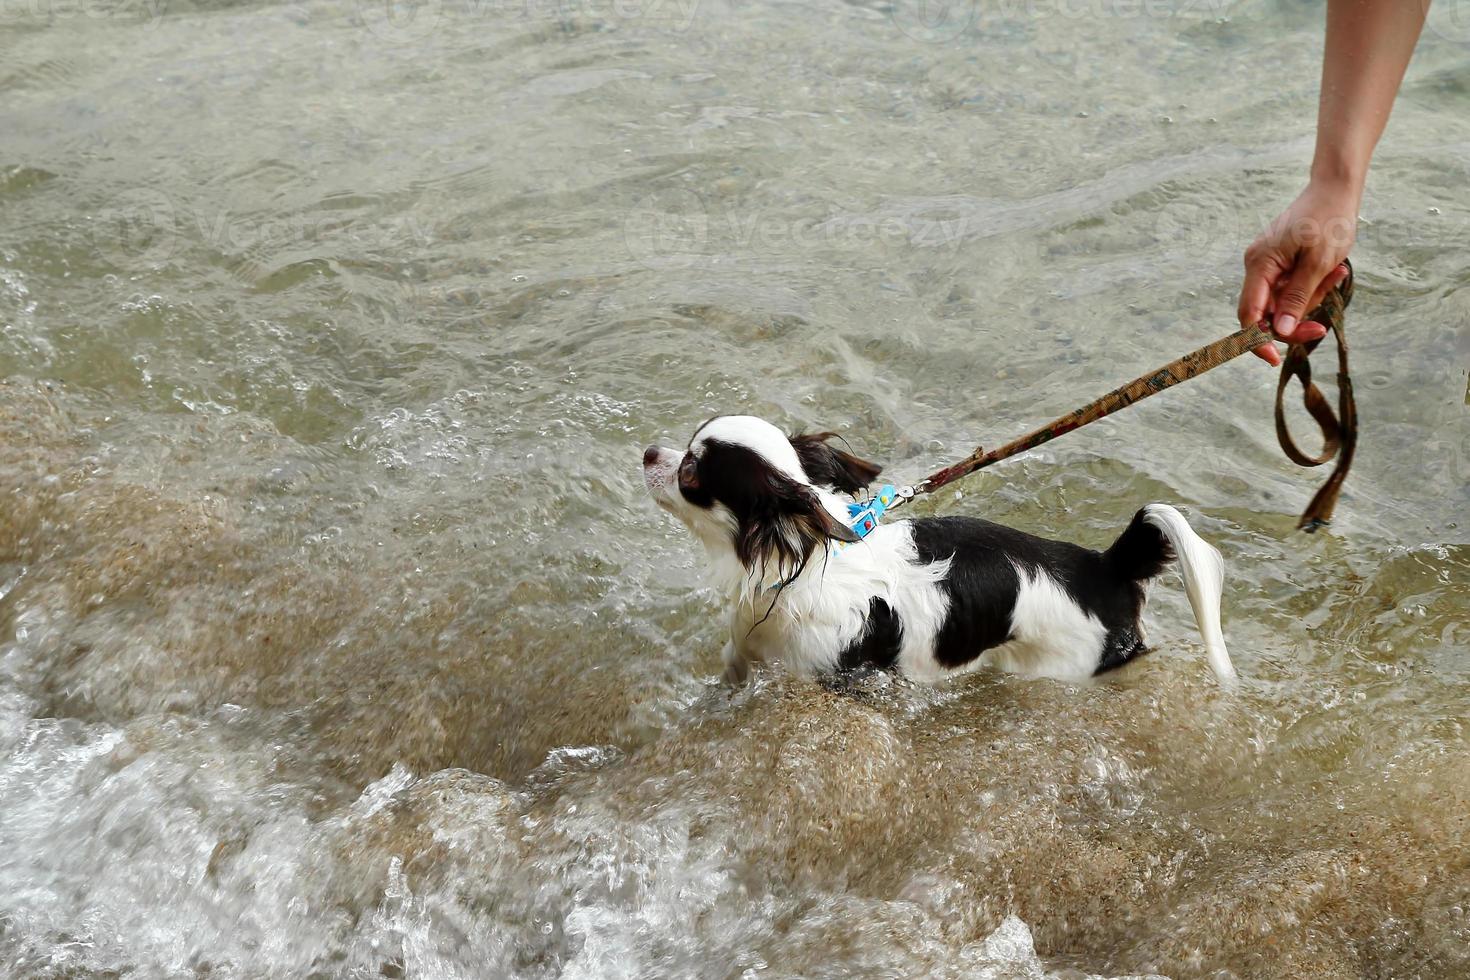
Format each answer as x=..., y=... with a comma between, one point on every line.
x=863, y=518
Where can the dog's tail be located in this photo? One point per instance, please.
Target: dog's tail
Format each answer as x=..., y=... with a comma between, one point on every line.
x=1156, y=536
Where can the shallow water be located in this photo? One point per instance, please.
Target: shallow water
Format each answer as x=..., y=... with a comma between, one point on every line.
x=338, y=637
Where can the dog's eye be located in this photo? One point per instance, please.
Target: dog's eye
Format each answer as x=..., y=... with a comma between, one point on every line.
x=689, y=473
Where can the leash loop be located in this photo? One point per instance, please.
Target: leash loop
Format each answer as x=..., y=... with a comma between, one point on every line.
x=1339, y=430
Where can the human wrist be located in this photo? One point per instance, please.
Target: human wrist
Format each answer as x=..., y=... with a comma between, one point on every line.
x=1340, y=173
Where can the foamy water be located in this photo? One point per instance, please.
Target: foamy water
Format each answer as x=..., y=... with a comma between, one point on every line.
x=338, y=637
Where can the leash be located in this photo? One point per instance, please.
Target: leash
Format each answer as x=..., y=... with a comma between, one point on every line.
x=1339, y=430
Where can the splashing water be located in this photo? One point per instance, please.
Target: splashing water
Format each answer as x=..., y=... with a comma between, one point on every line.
x=339, y=639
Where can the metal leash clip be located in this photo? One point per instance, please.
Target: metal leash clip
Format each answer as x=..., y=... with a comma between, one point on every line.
x=904, y=494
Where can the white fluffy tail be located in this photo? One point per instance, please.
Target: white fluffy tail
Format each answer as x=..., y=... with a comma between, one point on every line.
x=1204, y=579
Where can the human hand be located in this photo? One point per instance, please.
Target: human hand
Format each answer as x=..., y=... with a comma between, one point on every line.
x=1293, y=264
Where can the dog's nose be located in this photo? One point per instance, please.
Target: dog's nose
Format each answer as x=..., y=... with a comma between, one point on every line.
x=650, y=456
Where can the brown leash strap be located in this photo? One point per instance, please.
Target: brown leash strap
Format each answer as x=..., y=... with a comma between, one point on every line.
x=1339, y=432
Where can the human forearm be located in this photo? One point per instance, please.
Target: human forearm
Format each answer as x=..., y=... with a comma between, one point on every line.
x=1369, y=43
x=1297, y=258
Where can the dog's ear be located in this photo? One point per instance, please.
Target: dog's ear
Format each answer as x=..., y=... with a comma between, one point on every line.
x=787, y=529
x=819, y=525
x=829, y=467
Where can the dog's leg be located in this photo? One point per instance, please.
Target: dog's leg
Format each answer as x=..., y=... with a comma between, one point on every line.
x=737, y=668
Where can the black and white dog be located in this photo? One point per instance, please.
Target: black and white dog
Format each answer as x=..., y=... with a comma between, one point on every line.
x=928, y=597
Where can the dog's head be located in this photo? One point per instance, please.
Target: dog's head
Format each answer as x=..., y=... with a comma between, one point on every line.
x=753, y=494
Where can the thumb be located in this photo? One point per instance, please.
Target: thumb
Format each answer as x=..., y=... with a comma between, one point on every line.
x=1291, y=304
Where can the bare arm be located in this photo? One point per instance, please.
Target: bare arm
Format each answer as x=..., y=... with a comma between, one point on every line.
x=1290, y=267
